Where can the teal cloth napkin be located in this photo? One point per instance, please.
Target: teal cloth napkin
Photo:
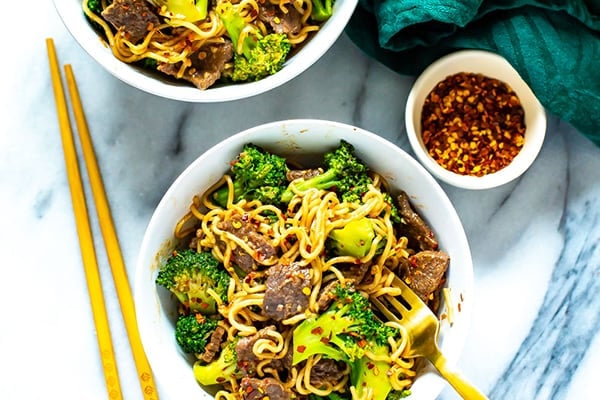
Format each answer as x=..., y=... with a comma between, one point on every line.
x=554, y=45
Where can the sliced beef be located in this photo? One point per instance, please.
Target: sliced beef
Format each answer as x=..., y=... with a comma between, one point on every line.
x=135, y=17
x=426, y=272
x=265, y=388
x=294, y=174
x=207, y=66
x=242, y=227
x=419, y=234
x=247, y=360
x=356, y=272
x=283, y=364
x=326, y=295
x=327, y=371
x=288, y=289
x=214, y=345
x=281, y=21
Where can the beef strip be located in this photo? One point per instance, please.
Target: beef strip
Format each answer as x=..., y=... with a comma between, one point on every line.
x=243, y=228
x=426, y=272
x=327, y=371
x=355, y=272
x=246, y=359
x=326, y=295
x=419, y=234
x=283, y=364
x=294, y=174
x=214, y=345
x=288, y=288
x=280, y=21
x=135, y=17
x=265, y=388
x=207, y=66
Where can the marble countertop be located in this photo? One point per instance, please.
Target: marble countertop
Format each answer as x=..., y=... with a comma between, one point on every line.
x=534, y=241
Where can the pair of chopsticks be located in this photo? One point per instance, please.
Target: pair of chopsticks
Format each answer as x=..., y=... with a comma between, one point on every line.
x=86, y=240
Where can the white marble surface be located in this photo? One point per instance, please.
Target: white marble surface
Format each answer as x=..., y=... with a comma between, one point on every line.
x=534, y=241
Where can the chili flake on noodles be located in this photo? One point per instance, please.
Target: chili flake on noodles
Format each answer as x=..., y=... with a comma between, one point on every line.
x=472, y=124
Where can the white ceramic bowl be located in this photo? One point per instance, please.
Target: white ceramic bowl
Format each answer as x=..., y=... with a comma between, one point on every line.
x=76, y=22
x=156, y=309
x=493, y=66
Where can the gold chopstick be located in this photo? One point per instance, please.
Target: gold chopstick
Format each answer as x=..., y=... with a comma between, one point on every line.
x=111, y=242
x=86, y=241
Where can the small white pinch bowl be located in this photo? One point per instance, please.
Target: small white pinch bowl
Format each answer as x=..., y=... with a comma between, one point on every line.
x=493, y=66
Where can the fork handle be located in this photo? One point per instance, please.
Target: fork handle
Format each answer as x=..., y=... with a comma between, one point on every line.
x=460, y=384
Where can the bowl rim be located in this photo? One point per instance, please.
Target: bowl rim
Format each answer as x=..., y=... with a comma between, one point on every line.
x=455, y=335
x=76, y=23
x=473, y=61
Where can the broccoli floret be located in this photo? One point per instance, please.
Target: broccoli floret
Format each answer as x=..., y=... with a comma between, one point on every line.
x=148, y=63
x=330, y=396
x=189, y=274
x=321, y=10
x=95, y=6
x=191, y=10
x=345, y=174
x=343, y=331
x=257, y=175
x=353, y=239
x=219, y=370
x=259, y=55
x=398, y=394
x=193, y=332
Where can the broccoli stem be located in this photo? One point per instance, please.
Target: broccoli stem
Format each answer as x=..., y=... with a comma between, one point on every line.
x=322, y=10
x=221, y=195
x=220, y=370
x=366, y=373
x=323, y=181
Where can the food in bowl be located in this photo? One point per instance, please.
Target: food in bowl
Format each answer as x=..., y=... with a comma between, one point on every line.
x=300, y=142
x=205, y=42
x=473, y=124
x=276, y=270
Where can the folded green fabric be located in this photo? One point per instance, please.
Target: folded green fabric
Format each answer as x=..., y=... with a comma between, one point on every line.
x=554, y=45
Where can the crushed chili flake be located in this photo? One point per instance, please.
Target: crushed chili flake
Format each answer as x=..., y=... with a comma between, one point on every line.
x=301, y=348
x=317, y=331
x=472, y=124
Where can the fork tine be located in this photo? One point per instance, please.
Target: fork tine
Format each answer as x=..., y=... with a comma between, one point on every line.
x=407, y=293
x=384, y=309
x=398, y=305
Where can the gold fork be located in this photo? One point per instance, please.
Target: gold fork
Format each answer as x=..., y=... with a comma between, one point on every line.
x=422, y=327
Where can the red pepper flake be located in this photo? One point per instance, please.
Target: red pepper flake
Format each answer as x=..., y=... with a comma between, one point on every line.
x=472, y=124
x=301, y=348
x=317, y=331
x=324, y=340
x=361, y=343
x=459, y=306
x=200, y=318
x=370, y=365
